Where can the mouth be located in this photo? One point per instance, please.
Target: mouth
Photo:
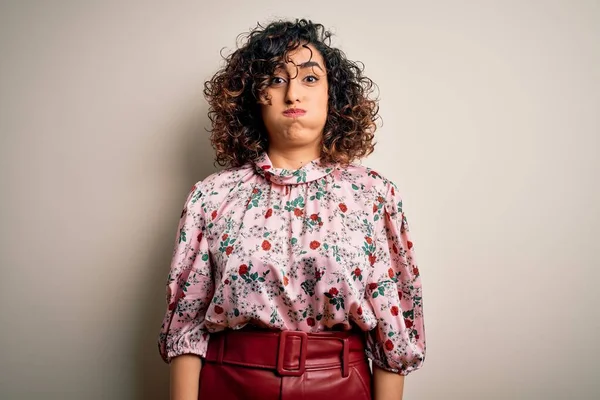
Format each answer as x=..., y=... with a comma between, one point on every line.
x=294, y=112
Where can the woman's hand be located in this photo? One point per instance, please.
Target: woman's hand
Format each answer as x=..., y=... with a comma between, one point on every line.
x=185, y=377
x=387, y=385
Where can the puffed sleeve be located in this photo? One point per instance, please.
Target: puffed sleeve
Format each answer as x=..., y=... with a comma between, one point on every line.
x=397, y=344
x=189, y=287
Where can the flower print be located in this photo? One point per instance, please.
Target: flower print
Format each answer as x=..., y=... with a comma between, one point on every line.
x=376, y=290
x=349, y=231
x=254, y=198
x=226, y=245
x=377, y=205
x=372, y=258
x=335, y=298
x=246, y=274
x=318, y=275
x=265, y=167
x=393, y=191
x=315, y=220
x=389, y=346
x=182, y=235
x=296, y=206
x=369, y=249
x=308, y=286
x=320, y=194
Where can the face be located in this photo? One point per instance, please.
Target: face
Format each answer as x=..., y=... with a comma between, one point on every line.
x=297, y=111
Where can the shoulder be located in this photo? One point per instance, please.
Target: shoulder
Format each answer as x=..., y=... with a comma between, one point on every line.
x=222, y=181
x=368, y=179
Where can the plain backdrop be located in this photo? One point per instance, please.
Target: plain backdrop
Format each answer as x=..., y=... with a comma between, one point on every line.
x=490, y=129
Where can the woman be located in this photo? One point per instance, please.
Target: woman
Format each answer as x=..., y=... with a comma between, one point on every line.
x=293, y=266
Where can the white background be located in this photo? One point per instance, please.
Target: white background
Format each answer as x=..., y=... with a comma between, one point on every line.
x=490, y=128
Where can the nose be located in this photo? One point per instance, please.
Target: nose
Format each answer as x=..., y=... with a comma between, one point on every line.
x=292, y=93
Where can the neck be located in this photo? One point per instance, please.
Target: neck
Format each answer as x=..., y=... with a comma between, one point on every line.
x=292, y=158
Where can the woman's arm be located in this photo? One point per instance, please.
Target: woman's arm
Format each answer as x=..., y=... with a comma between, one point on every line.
x=387, y=385
x=185, y=377
x=182, y=339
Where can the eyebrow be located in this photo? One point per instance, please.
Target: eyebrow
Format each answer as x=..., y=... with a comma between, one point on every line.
x=308, y=64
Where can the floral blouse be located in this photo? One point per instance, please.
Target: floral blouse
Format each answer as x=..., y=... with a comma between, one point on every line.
x=318, y=248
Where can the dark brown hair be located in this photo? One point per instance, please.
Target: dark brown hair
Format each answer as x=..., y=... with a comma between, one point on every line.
x=233, y=94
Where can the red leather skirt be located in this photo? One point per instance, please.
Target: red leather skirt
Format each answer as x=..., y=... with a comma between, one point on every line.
x=288, y=365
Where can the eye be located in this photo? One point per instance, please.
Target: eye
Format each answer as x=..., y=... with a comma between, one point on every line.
x=311, y=78
x=276, y=80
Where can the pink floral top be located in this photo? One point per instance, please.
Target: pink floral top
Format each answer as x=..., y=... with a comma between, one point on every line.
x=318, y=248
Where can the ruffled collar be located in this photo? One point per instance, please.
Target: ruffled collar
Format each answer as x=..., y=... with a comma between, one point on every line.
x=307, y=173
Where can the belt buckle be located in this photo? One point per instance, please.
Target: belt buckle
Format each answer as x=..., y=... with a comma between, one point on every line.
x=281, y=353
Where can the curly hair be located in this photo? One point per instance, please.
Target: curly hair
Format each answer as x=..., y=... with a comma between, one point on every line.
x=234, y=95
